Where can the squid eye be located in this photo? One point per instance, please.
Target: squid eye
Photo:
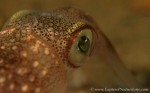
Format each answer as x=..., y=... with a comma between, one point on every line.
x=81, y=47
x=84, y=44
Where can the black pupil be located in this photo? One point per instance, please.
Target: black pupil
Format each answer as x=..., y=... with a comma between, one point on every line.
x=84, y=44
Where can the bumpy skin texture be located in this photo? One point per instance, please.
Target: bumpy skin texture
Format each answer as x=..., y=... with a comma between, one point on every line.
x=29, y=65
x=34, y=47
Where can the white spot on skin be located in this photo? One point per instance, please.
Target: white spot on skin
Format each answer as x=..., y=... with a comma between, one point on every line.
x=23, y=31
x=11, y=30
x=14, y=47
x=24, y=88
x=34, y=49
x=12, y=40
x=37, y=90
x=46, y=51
x=31, y=78
x=22, y=71
x=29, y=37
x=2, y=47
x=24, y=53
x=53, y=55
x=44, y=72
x=35, y=64
x=35, y=21
x=1, y=61
x=36, y=46
x=43, y=44
x=56, y=62
x=38, y=42
x=2, y=79
x=56, y=33
x=50, y=29
x=12, y=86
x=7, y=31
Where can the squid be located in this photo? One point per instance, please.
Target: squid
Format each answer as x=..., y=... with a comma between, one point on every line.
x=38, y=50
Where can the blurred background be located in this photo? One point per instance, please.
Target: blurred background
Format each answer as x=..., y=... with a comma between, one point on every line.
x=125, y=22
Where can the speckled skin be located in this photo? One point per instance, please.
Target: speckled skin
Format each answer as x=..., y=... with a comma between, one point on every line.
x=34, y=47
x=59, y=27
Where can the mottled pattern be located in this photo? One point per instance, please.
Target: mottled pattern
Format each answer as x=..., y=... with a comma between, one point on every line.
x=34, y=49
x=59, y=27
x=28, y=65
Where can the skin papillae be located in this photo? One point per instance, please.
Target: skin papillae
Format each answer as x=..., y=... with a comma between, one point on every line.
x=34, y=49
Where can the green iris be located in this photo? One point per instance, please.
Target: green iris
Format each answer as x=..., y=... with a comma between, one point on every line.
x=84, y=44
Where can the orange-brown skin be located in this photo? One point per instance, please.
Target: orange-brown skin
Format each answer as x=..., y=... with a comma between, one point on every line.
x=29, y=65
x=34, y=49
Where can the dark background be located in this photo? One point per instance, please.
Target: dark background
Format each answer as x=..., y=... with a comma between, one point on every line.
x=125, y=22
